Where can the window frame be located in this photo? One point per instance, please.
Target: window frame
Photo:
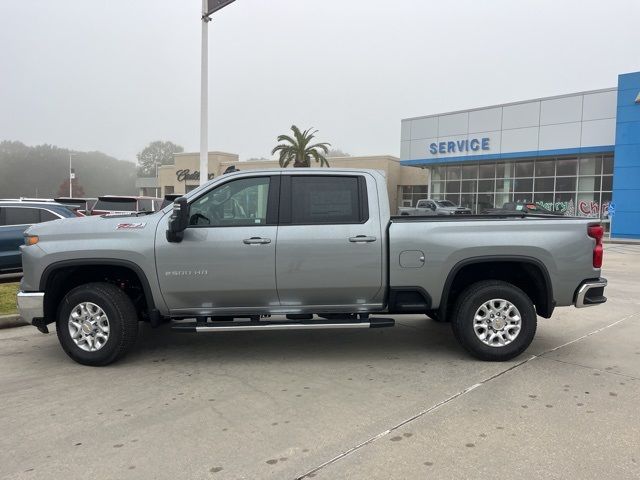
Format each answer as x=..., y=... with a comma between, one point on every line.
x=273, y=200
x=285, y=216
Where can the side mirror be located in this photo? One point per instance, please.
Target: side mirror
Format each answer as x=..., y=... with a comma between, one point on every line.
x=179, y=220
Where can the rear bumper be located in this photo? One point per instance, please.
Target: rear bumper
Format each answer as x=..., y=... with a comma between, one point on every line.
x=590, y=293
x=31, y=305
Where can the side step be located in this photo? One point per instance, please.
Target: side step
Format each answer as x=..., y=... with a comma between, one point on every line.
x=202, y=327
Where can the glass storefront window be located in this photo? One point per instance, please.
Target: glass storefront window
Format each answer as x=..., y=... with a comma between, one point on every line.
x=503, y=185
x=502, y=198
x=487, y=170
x=453, y=172
x=544, y=184
x=467, y=200
x=522, y=197
x=469, y=172
x=588, y=204
x=486, y=186
x=589, y=184
x=545, y=200
x=524, y=169
x=590, y=166
x=523, y=185
x=437, y=174
x=567, y=167
x=455, y=198
x=574, y=186
x=453, y=187
x=565, y=184
x=565, y=203
x=468, y=186
x=504, y=170
x=485, y=201
x=545, y=168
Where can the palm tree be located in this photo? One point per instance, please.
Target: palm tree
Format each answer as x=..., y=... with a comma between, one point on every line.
x=300, y=150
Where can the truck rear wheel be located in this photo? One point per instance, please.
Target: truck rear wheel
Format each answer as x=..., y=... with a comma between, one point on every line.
x=494, y=320
x=97, y=324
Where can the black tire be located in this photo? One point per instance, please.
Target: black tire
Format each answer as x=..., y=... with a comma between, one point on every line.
x=470, y=300
x=121, y=314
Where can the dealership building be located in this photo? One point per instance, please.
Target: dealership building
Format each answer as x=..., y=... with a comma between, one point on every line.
x=578, y=154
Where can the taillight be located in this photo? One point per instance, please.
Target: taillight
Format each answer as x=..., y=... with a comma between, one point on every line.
x=597, y=232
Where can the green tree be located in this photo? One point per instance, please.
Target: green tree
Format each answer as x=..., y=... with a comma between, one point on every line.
x=299, y=149
x=155, y=154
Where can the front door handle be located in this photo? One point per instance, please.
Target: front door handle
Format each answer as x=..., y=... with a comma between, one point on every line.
x=256, y=241
x=362, y=239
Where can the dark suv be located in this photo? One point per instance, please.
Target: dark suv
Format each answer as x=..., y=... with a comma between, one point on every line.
x=15, y=217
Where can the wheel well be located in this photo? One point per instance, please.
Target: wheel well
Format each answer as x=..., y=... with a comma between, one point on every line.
x=62, y=280
x=529, y=276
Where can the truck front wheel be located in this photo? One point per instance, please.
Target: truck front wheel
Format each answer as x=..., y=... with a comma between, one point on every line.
x=494, y=320
x=97, y=324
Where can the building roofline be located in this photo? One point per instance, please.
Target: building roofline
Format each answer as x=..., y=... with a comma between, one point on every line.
x=212, y=152
x=520, y=102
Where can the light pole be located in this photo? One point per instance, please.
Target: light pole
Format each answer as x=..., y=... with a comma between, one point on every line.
x=72, y=174
x=209, y=7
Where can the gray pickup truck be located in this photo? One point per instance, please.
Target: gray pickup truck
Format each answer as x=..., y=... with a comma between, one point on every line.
x=427, y=207
x=303, y=249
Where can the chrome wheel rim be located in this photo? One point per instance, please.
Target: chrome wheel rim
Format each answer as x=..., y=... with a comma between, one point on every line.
x=89, y=326
x=497, y=322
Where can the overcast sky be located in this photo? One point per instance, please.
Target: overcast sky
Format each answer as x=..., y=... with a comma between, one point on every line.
x=115, y=75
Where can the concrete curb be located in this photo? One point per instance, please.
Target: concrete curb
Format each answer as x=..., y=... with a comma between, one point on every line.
x=622, y=241
x=10, y=321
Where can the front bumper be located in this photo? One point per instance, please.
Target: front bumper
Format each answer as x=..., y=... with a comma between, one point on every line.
x=590, y=293
x=31, y=305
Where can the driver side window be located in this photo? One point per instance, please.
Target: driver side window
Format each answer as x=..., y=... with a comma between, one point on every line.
x=238, y=203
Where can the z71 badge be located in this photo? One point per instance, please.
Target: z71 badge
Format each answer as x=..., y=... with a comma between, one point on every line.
x=130, y=226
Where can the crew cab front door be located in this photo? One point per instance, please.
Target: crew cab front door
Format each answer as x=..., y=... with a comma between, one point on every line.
x=225, y=263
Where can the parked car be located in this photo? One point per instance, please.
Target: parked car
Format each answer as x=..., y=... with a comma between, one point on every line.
x=303, y=242
x=117, y=204
x=434, y=207
x=81, y=206
x=169, y=199
x=15, y=217
x=523, y=207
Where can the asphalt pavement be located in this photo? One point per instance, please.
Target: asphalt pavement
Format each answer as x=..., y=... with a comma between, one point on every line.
x=398, y=403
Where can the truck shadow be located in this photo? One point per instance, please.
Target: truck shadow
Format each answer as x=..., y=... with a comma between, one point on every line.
x=410, y=337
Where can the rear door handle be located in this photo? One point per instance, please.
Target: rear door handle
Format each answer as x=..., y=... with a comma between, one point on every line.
x=362, y=239
x=256, y=241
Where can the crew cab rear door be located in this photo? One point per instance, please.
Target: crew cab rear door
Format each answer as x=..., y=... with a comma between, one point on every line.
x=225, y=263
x=330, y=242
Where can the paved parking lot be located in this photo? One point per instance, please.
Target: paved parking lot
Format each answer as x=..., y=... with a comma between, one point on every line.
x=404, y=402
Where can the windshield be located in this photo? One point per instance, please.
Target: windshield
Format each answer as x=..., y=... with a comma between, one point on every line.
x=446, y=203
x=113, y=205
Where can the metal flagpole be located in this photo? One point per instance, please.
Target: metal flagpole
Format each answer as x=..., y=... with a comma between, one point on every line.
x=204, y=95
x=209, y=7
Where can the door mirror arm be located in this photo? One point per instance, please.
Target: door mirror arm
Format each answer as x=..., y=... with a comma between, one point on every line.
x=179, y=220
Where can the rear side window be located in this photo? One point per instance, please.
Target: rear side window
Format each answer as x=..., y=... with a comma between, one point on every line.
x=21, y=216
x=327, y=200
x=47, y=216
x=145, y=205
x=126, y=205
